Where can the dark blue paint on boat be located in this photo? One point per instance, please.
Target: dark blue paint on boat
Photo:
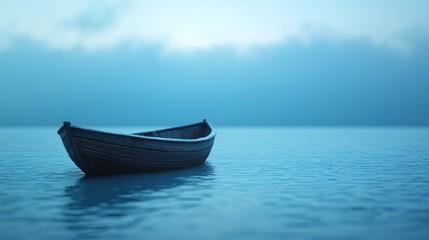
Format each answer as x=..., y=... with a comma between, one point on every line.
x=101, y=153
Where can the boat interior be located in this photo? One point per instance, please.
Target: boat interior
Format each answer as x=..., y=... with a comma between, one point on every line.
x=194, y=131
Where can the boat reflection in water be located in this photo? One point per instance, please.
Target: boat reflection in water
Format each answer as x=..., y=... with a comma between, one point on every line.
x=103, y=207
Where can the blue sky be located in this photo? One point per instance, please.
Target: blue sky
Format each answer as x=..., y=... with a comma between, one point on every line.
x=235, y=63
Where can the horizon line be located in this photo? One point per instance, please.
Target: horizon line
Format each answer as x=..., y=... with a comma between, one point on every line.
x=228, y=125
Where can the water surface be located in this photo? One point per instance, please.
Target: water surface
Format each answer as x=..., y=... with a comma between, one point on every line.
x=258, y=183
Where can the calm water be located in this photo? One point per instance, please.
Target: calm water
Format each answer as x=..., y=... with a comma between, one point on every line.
x=258, y=183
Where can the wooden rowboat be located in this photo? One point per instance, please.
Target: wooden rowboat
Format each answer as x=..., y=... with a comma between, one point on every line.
x=101, y=153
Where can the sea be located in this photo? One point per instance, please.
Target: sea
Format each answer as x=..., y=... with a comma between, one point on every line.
x=258, y=183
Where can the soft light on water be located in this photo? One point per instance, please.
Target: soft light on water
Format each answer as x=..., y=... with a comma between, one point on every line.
x=258, y=183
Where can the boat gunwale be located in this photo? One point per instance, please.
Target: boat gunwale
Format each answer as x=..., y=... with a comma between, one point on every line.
x=175, y=140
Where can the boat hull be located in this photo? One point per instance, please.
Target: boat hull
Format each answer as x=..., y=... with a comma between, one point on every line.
x=102, y=153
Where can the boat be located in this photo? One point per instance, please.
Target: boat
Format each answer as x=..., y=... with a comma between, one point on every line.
x=103, y=153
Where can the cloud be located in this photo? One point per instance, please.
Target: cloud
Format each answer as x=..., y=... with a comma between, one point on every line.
x=192, y=25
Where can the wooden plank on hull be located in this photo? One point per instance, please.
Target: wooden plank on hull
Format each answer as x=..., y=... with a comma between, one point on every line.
x=139, y=142
x=138, y=153
x=128, y=164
